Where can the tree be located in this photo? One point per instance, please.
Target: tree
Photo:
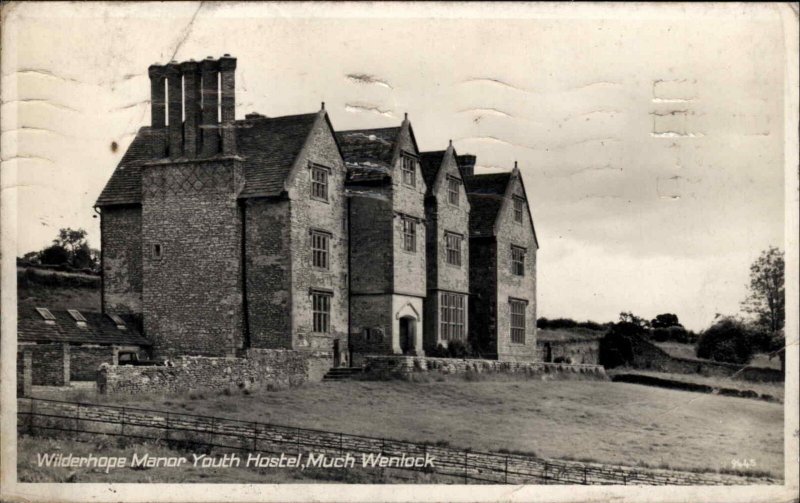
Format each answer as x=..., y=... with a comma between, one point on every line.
x=633, y=319
x=727, y=340
x=767, y=301
x=71, y=239
x=55, y=255
x=665, y=320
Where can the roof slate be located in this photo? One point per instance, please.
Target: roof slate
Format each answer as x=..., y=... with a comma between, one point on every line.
x=269, y=147
x=485, y=193
x=430, y=162
x=100, y=329
x=368, y=153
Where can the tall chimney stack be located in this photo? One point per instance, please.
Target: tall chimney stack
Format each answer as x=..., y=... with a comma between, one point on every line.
x=191, y=100
x=209, y=69
x=466, y=163
x=175, y=111
x=157, y=111
x=227, y=69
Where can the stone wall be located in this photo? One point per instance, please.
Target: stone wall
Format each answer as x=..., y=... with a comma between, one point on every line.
x=512, y=233
x=570, y=351
x=258, y=368
x=192, y=293
x=24, y=371
x=404, y=367
x=121, y=229
x=268, y=271
x=50, y=364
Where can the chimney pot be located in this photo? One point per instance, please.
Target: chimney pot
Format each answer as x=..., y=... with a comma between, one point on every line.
x=158, y=107
x=227, y=68
x=209, y=69
x=192, y=99
x=466, y=163
x=175, y=110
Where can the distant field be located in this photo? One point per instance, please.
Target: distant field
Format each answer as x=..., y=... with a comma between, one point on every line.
x=775, y=389
x=584, y=420
x=73, y=291
x=682, y=350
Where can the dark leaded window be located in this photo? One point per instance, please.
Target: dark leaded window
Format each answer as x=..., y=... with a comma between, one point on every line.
x=518, y=321
x=452, y=190
x=519, y=207
x=321, y=307
x=452, y=316
x=517, y=261
x=409, y=235
x=320, y=245
x=409, y=171
x=157, y=251
x=319, y=182
x=453, y=246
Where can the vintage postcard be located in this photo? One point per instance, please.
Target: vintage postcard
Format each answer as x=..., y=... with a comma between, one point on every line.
x=399, y=251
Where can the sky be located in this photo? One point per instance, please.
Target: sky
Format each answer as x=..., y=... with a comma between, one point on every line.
x=650, y=137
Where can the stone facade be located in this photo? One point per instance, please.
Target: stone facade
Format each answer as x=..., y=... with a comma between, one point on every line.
x=85, y=360
x=191, y=235
x=445, y=220
x=121, y=235
x=50, y=364
x=569, y=351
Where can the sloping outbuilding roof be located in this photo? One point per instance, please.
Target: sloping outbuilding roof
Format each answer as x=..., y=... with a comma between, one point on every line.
x=98, y=329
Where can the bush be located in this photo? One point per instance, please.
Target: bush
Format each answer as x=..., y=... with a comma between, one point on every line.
x=55, y=255
x=728, y=340
x=458, y=349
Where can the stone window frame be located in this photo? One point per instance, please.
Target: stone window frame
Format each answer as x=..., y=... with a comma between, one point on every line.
x=321, y=311
x=449, y=238
x=320, y=254
x=408, y=169
x=452, y=316
x=517, y=319
x=519, y=208
x=518, y=254
x=319, y=186
x=409, y=234
x=453, y=190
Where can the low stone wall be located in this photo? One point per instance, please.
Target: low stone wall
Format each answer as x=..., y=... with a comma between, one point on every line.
x=24, y=372
x=405, y=366
x=258, y=368
x=569, y=351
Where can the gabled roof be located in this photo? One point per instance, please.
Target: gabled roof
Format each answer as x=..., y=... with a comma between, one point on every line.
x=125, y=185
x=99, y=328
x=486, y=194
x=269, y=147
x=430, y=162
x=368, y=153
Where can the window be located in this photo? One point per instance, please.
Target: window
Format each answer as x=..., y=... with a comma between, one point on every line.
x=320, y=245
x=319, y=183
x=517, y=261
x=453, y=246
x=321, y=309
x=453, y=186
x=118, y=321
x=409, y=235
x=452, y=316
x=519, y=206
x=518, y=320
x=46, y=315
x=156, y=251
x=409, y=169
x=78, y=317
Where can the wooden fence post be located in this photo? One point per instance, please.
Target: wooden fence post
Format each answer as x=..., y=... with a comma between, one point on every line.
x=167, y=426
x=544, y=473
x=31, y=416
x=466, y=460
x=77, y=416
x=506, y=470
x=122, y=422
x=255, y=435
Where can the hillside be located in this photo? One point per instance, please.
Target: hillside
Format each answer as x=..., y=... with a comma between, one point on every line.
x=57, y=290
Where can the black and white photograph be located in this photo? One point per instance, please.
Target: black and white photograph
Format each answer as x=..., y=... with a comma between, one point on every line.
x=398, y=251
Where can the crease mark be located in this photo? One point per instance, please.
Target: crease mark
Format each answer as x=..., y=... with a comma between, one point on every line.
x=186, y=31
x=365, y=78
x=40, y=72
x=366, y=107
x=27, y=157
x=41, y=101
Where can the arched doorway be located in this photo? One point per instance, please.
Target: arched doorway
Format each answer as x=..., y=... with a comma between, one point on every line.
x=407, y=334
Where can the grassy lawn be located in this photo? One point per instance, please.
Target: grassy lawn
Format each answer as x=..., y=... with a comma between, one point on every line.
x=774, y=389
x=681, y=350
x=585, y=420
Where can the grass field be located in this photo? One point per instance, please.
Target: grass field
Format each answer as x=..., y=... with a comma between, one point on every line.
x=775, y=389
x=682, y=350
x=583, y=420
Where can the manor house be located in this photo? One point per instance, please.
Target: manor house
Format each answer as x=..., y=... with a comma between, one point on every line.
x=220, y=235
